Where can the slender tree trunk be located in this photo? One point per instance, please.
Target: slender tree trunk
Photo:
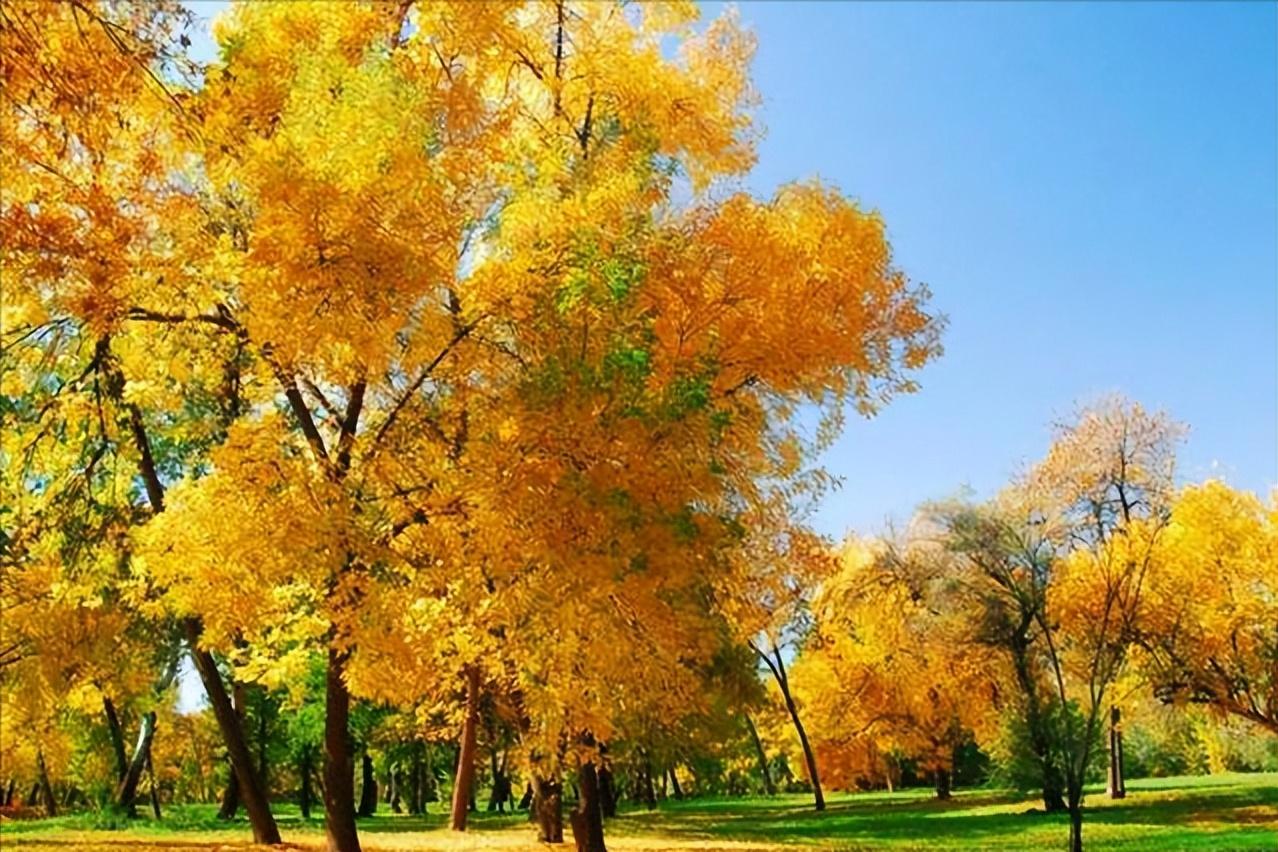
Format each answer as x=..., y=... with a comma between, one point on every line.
x=1117, y=785
x=128, y=786
x=587, y=817
x=648, y=789
x=777, y=665
x=415, y=792
x=46, y=789
x=1075, y=821
x=368, y=788
x=607, y=791
x=943, y=781
x=230, y=798
x=1053, y=783
x=34, y=799
x=526, y=802
x=117, y=738
x=464, y=781
x=393, y=784
x=155, y=791
x=304, y=799
x=339, y=778
x=674, y=783
x=265, y=831
x=8, y=792
x=768, y=787
x=548, y=807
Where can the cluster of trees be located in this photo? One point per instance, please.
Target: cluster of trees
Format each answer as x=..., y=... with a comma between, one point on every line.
x=421, y=373
x=1025, y=624
x=431, y=347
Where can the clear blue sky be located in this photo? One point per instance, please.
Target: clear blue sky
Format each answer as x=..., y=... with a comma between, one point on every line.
x=1090, y=191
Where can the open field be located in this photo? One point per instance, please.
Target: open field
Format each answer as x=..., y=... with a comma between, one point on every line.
x=1234, y=812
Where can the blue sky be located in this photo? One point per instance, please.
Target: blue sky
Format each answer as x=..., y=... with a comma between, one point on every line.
x=1090, y=191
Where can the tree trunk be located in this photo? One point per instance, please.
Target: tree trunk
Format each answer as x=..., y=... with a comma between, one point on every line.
x=128, y=786
x=808, y=757
x=230, y=798
x=674, y=783
x=339, y=778
x=393, y=791
x=155, y=792
x=1075, y=823
x=415, y=793
x=943, y=780
x=548, y=806
x=117, y=738
x=587, y=817
x=464, y=780
x=8, y=792
x=367, y=788
x=607, y=791
x=526, y=802
x=648, y=789
x=46, y=789
x=1117, y=787
x=265, y=831
x=768, y=787
x=304, y=799
x=1053, y=783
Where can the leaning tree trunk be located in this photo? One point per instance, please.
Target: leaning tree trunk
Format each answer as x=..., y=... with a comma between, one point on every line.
x=783, y=681
x=368, y=787
x=768, y=787
x=46, y=789
x=1117, y=786
x=464, y=780
x=547, y=804
x=264, y=828
x=339, y=778
x=155, y=792
x=231, y=795
x=117, y=738
x=128, y=786
x=587, y=817
x=674, y=783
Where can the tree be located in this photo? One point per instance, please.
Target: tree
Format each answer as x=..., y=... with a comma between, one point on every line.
x=1210, y=603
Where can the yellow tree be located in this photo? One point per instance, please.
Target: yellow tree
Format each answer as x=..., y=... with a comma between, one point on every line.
x=1210, y=603
x=896, y=673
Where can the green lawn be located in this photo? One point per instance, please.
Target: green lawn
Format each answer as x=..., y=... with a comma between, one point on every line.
x=1234, y=812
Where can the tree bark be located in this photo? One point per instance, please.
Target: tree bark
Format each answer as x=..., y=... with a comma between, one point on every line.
x=46, y=789
x=548, y=807
x=1117, y=787
x=1053, y=784
x=127, y=789
x=231, y=795
x=587, y=817
x=674, y=783
x=155, y=792
x=1075, y=821
x=607, y=791
x=464, y=780
x=367, y=788
x=392, y=792
x=768, y=787
x=339, y=779
x=8, y=792
x=648, y=789
x=526, y=801
x=265, y=831
x=943, y=782
x=304, y=799
x=777, y=666
x=415, y=792
x=117, y=738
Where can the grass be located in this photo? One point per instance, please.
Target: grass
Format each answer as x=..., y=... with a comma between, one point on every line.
x=1233, y=812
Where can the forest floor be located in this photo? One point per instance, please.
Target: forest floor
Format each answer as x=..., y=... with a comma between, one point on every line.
x=1227, y=812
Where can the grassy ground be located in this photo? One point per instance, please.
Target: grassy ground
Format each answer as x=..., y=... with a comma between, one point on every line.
x=1234, y=812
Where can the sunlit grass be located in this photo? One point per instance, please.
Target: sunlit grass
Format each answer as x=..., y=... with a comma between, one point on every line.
x=1234, y=811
